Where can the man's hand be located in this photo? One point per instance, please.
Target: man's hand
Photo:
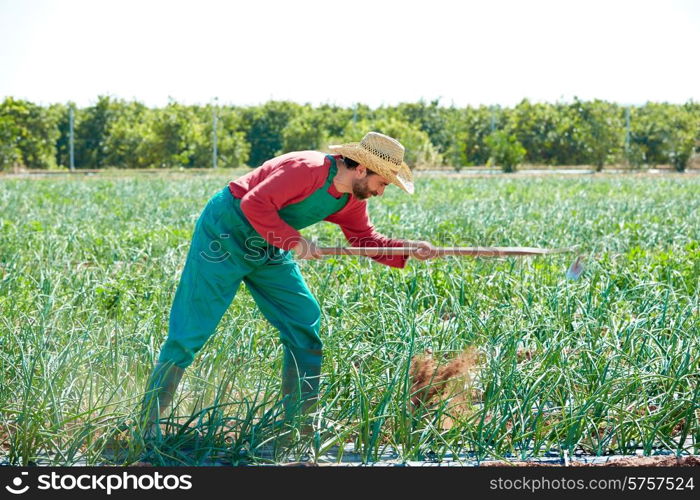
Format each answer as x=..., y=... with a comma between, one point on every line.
x=306, y=249
x=425, y=250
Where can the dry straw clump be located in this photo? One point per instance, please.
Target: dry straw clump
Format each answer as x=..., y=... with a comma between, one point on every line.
x=433, y=383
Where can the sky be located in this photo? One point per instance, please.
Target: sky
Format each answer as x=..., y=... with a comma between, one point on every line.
x=376, y=52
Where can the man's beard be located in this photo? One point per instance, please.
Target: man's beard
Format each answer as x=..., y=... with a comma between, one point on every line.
x=360, y=189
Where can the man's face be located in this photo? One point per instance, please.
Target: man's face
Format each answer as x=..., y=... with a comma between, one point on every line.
x=369, y=185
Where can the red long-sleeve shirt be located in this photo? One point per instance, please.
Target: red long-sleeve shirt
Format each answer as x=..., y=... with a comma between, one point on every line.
x=290, y=178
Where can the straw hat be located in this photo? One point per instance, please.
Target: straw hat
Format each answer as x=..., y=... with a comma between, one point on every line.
x=382, y=155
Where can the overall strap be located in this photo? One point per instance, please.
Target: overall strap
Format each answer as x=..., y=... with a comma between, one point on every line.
x=332, y=171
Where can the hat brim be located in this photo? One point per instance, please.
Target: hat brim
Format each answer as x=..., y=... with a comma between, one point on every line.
x=399, y=175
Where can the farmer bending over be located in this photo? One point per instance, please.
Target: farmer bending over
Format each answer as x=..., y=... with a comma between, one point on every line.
x=247, y=232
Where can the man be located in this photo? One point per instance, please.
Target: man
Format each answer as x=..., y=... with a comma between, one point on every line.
x=250, y=230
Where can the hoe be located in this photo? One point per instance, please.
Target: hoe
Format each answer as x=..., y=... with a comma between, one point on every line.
x=573, y=273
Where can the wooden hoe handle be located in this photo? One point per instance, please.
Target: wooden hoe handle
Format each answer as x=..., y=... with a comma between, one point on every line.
x=443, y=251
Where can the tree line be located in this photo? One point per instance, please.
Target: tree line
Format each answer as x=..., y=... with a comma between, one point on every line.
x=127, y=134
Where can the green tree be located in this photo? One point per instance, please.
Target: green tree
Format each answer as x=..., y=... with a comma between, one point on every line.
x=537, y=128
x=10, y=154
x=232, y=147
x=475, y=125
x=305, y=131
x=129, y=140
x=601, y=132
x=113, y=132
x=28, y=134
x=333, y=118
x=505, y=150
x=664, y=133
x=683, y=136
x=179, y=138
x=264, y=129
x=63, y=140
x=567, y=149
x=91, y=131
x=431, y=119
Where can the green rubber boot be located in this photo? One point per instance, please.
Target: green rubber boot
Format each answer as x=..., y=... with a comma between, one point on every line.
x=301, y=373
x=160, y=392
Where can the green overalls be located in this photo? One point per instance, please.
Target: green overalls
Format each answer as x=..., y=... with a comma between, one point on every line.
x=226, y=250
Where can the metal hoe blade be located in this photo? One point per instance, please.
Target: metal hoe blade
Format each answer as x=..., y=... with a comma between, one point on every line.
x=575, y=269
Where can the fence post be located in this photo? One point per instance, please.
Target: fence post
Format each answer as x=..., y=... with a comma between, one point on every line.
x=214, y=133
x=71, y=140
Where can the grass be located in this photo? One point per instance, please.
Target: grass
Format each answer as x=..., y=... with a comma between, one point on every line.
x=606, y=364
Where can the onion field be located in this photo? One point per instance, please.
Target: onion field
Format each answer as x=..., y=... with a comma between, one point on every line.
x=605, y=364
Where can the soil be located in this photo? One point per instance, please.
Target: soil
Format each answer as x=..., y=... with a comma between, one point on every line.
x=662, y=461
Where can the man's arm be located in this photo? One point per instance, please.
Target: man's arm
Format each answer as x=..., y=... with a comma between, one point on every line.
x=260, y=205
x=359, y=231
